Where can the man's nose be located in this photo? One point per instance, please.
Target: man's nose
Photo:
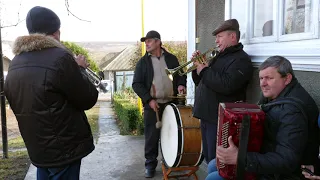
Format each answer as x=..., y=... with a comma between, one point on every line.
x=263, y=82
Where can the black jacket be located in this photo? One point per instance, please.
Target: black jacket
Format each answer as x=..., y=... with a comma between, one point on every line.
x=225, y=80
x=48, y=95
x=290, y=139
x=143, y=76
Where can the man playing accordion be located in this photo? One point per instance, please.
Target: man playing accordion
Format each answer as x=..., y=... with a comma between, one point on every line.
x=290, y=131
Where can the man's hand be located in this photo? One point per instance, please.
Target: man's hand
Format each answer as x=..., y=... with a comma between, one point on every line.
x=307, y=175
x=196, y=53
x=81, y=61
x=154, y=105
x=181, y=89
x=228, y=155
x=200, y=66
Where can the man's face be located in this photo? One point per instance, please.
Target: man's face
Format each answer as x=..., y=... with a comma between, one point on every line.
x=272, y=83
x=225, y=39
x=152, y=44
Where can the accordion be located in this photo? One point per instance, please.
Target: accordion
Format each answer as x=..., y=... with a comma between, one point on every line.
x=244, y=122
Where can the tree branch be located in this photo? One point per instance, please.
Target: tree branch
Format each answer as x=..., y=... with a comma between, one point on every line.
x=19, y=21
x=67, y=6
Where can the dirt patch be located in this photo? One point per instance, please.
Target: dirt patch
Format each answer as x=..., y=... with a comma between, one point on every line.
x=12, y=125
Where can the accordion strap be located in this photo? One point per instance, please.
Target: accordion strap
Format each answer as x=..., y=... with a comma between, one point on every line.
x=243, y=145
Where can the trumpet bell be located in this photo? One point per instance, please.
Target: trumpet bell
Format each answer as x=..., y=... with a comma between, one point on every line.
x=206, y=57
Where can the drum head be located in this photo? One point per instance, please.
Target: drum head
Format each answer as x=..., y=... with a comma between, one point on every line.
x=169, y=136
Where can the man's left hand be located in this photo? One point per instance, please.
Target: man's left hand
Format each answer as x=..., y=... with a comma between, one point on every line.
x=228, y=155
x=181, y=89
x=200, y=66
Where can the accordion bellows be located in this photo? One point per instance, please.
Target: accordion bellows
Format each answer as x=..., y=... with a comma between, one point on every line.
x=230, y=116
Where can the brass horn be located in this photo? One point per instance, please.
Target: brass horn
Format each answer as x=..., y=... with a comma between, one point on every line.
x=203, y=58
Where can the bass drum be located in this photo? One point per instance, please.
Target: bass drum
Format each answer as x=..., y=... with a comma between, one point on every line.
x=180, y=139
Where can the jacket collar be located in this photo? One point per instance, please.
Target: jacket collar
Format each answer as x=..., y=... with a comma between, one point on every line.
x=35, y=42
x=284, y=92
x=232, y=49
x=164, y=52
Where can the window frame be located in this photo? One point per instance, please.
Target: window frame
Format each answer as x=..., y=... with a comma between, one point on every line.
x=278, y=15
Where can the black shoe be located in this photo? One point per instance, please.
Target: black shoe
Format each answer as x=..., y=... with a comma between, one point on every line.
x=149, y=173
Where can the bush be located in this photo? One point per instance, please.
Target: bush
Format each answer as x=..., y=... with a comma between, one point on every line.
x=129, y=118
x=77, y=50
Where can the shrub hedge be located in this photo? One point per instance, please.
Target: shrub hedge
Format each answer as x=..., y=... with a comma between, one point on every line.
x=129, y=119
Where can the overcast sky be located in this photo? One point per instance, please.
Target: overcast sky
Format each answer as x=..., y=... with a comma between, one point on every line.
x=111, y=20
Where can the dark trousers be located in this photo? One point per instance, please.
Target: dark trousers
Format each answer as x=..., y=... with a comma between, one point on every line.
x=209, y=139
x=71, y=171
x=151, y=135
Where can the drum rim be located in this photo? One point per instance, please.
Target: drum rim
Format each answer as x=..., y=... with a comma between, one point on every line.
x=180, y=137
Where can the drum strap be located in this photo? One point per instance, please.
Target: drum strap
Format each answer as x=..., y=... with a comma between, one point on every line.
x=243, y=145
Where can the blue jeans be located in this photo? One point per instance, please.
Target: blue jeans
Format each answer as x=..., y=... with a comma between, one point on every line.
x=213, y=173
x=70, y=171
x=209, y=138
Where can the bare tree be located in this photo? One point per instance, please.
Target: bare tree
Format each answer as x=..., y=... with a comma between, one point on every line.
x=19, y=20
x=18, y=15
x=69, y=12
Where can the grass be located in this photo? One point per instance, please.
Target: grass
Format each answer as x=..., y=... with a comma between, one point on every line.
x=15, y=143
x=14, y=167
x=17, y=164
x=93, y=117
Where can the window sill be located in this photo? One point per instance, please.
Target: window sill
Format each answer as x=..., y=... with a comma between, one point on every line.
x=304, y=55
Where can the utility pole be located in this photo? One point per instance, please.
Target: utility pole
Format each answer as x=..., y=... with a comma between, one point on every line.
x=142, y=48
x=3, y=105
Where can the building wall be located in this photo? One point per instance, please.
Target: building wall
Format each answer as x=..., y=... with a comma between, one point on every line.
x=6, y=63
x=208, y=15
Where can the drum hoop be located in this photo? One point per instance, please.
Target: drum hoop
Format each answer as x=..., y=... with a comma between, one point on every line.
x=180, y=136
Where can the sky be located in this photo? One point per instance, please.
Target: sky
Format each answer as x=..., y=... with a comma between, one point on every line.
x=110, y=20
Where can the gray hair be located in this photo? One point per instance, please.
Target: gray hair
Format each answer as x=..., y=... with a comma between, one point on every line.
x=282, y=64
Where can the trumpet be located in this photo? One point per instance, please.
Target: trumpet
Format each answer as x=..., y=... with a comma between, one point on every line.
x=95, y=79
x=203, y=58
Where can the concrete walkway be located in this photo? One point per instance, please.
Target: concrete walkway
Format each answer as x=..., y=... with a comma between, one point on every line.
x=116, y=157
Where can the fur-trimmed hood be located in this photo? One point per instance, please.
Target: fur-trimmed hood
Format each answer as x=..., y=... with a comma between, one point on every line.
x=35, y=42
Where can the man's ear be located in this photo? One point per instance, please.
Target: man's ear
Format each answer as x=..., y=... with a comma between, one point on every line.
x=56, y=35
x=288, y=78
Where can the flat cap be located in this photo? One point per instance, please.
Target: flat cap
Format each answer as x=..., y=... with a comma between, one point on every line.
x=230, y=24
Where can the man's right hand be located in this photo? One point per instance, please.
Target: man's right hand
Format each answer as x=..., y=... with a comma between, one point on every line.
x=81, y=61
x=307, y=175
x=154, y=105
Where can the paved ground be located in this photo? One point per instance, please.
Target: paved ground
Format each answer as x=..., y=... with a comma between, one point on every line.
x=116, y=157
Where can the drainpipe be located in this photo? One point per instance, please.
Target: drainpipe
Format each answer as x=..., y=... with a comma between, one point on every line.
x=3, y=105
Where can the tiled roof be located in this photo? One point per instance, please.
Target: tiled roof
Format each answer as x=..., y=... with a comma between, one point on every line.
x=122, y=61
x=108, y=59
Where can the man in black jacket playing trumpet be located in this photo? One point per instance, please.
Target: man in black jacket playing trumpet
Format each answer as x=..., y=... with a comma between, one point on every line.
x=225, y=79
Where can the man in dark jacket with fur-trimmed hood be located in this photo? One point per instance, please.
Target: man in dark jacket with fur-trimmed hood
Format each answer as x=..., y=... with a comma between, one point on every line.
x=153, y=86
x=48, y=95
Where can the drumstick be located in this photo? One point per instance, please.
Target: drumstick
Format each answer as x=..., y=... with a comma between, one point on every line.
x=158, y=124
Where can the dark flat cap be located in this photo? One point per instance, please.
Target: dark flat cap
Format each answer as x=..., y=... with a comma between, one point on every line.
x=230, y=24
x=151, y=34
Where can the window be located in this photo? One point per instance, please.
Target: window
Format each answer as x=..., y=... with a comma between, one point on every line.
x=239, y=14
x=297, y=16
x=263, y=18
x=275, y=20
